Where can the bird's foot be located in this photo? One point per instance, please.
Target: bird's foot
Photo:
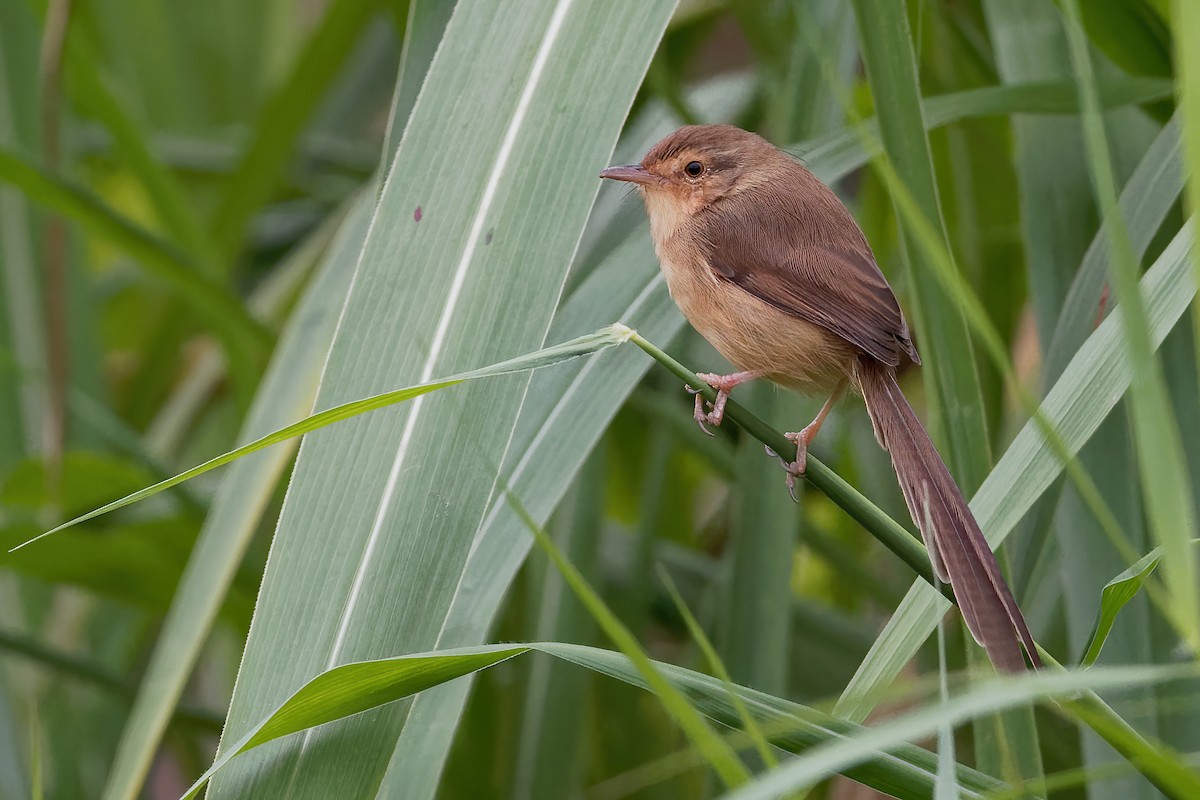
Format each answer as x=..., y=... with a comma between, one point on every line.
x=714, y=417
x=714, y=413
x=795, y=469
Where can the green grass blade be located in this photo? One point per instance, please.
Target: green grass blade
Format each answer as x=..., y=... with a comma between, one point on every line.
x=13, y=779
x=1132, y=34
x=545, y=357
x=955, y=400
x=1147, y=198
x=287, y=392
x=1150, y=193
x=1185, y=25
x=748, y=723
x=352, y=689
x=565, y=414
x=550, y=746
x=986, y=698
x=23, y=401
x=1116, y=593
x=1056, y=213
x=425, y=23
x=905, y=771
x=879, y=757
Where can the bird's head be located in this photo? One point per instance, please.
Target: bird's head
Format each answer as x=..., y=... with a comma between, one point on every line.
x=695, y=167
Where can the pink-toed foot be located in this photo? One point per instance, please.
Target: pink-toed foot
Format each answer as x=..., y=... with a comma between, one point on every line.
x=724, y=385
x=797, y=468
x=802, y=439
x=794, y=469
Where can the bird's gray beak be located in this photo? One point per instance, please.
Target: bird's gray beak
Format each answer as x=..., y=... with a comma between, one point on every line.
x=631, y=173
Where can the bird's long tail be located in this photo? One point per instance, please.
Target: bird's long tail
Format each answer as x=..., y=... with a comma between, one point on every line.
x=960, y=554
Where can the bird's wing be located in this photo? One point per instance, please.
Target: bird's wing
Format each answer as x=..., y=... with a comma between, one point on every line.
x=837, y=287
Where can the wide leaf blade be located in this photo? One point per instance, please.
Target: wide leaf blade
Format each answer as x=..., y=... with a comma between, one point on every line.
x=476, y=225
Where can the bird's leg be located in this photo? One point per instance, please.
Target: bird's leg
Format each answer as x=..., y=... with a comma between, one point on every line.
x=803, y=438
x=724, y=385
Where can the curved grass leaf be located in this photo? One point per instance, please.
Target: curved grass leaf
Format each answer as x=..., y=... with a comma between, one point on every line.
x=1149, y=195
x=551, y=745
x=565, y=414
x=901, y=770
x=1113, y=597
x=985, y=698
x=545, y=357
x=354, y=688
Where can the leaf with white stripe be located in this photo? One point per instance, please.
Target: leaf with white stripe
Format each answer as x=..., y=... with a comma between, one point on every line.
x=463, y=264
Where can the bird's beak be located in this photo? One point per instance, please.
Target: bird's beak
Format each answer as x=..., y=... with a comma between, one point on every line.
x=631, y=173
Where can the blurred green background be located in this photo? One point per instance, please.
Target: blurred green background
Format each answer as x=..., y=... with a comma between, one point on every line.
x=218, y=217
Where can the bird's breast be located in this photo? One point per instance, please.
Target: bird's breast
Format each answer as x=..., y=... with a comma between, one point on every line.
x=749, y=332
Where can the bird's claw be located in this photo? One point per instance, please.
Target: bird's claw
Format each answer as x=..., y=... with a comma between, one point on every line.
x=704, y=418
x=715, y=416
x=794, y=469
x=790, y=480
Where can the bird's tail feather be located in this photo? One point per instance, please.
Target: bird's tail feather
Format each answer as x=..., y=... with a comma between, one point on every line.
x=957, y=548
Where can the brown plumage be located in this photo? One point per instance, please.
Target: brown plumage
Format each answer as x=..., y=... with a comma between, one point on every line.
x=768, y=265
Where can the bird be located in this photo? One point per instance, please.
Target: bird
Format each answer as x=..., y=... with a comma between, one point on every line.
x=768, y=265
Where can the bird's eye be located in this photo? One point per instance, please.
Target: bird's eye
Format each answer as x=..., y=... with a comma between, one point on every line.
x=694, y=168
